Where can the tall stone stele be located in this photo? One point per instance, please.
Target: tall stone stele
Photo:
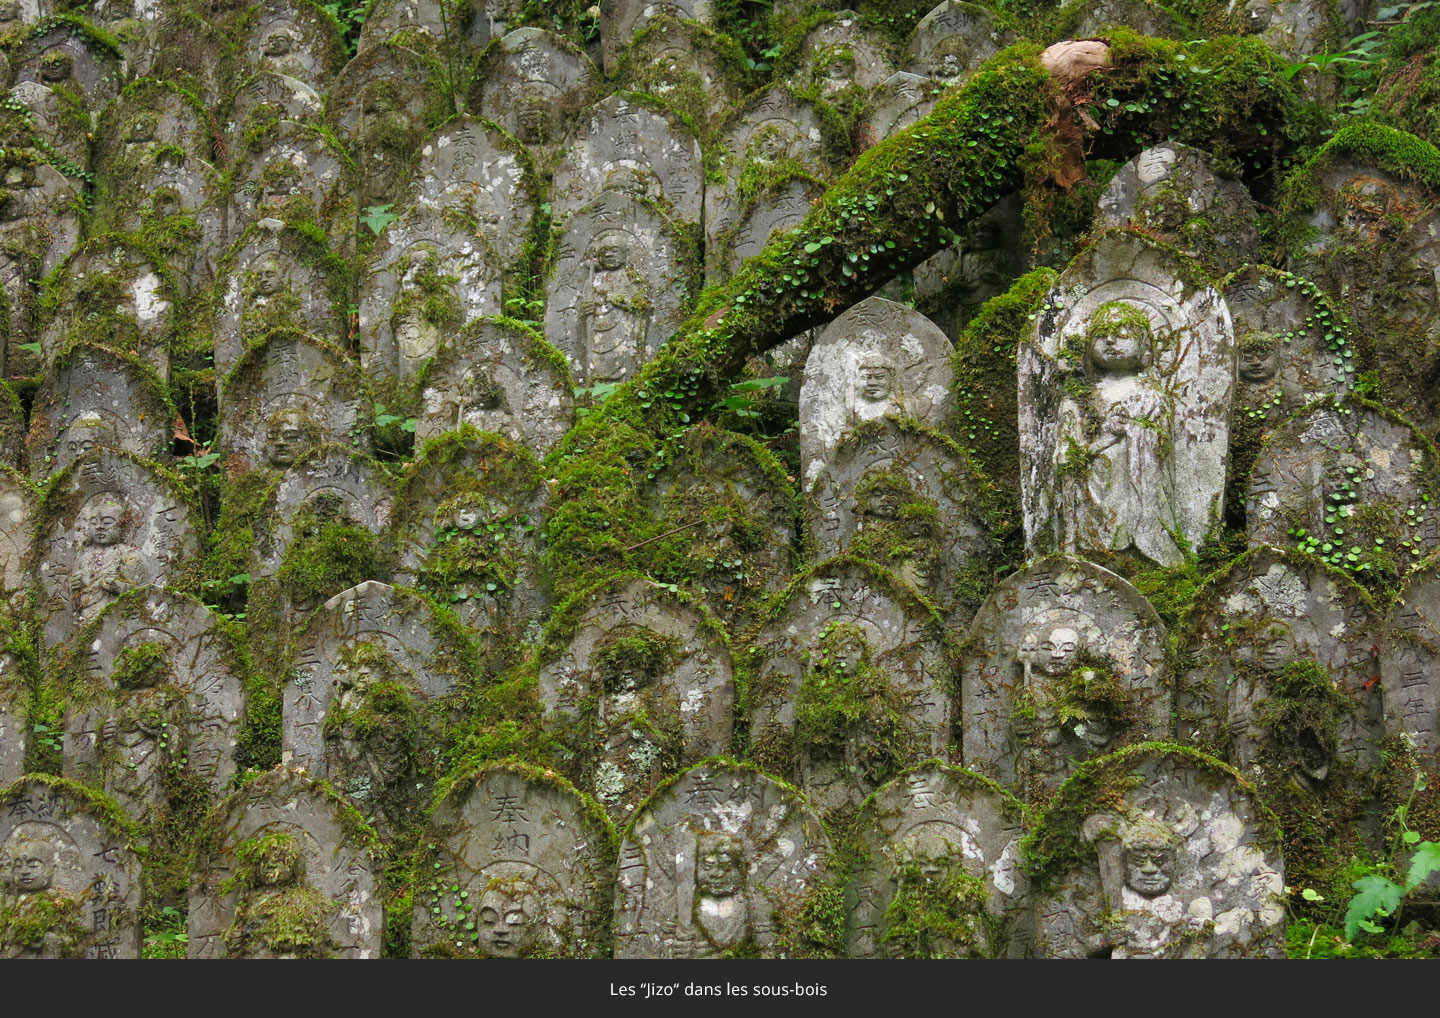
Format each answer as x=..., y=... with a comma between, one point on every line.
x=1125, y=382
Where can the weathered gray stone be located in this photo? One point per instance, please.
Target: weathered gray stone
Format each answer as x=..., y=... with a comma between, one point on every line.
x=155, y=694
x=38, y=229
x=459, y=24
x=17, y=523
x=15, y=726
x=1294, y=29
x=68, y=866
x=113, y=291
x=1139, y=15
x=718, y=863
x=1359, y=482
x=482, y=176
x=1124, y=389
x=848, y=639
x=620, y=20
x=1173, y=193
x=265, y=96
x=272, y=279
x=516, y=864
x=68, y=56
x=1410, y=662
x=93, y=397
x=302, y=870
x=287, y=395
x=1250, y=626
x=622, y=146
x=877, y=359
x=1178, y=860
x=896, y=103
x=537, y=81
x=686, y=64
x=953, y=40
x=361, y=652
x=294, y=39
x=292, y=171
x=1064, y=662
x=938, y=840
x=500, y=377
x=908, y=498
x=739, y=231
x=952, y=284
x=67, y=136
x=617, y=289
x=839, y=54
x=637, y=682
x=109, y=523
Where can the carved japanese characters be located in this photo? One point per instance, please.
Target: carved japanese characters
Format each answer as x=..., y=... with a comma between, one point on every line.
x=849, y=683
x=286, y=396
x=906, y=498
x=1175, y=859
x=1408, y=659
x=287, y=871
x=878, y=359
x=108, y=524
x=953, y=40
x=640, y=684
x=535, y=82
x=155, y=698
x=69, y=876
x=896, y=103
x=617, y=289
x=38, y=229
x=95, y=397
x=940, y=842
x=715, y=865
x=458, y=24
x=620, y=20
x=1173, y=193
x=1124, y=389
x=374, y=670
x=516, y=864
x=746, y=229
x=290, y=171
x=1350, y=481
x=1064, y=662
x=500, y=377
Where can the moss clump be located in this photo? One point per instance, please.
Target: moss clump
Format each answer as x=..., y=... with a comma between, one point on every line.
x=46, y=923
x=277, y=914
x=939, y=911
x=330, y=554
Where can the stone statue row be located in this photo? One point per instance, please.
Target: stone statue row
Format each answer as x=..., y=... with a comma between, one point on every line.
x=1160, y=853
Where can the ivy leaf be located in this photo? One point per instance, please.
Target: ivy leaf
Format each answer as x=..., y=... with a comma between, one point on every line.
x=1375, y=894
x=1425, y=862
x=377, y=217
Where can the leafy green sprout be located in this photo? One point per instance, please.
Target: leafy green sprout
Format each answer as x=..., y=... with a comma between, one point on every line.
x=1379, y=897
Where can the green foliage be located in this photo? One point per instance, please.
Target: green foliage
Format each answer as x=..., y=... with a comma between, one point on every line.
x=1379, y=895
x=377, y=217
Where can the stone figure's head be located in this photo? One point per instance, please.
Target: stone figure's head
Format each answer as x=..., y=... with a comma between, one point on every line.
x=876, y=379
x=631, y=657
x=933, y=850
x=142, y=128
x=611, y=250
x=772, y=139
x=380, y=97
x=481, y=393
x=86, y=432
x=288, y=434
x=269, y=276
x=719, y=865
x=1150, y=848
x=508, y=918
x=1258, y=15
x=30, y=865
x=105, y=519
x=1056, y=651
x=1258, y=359
x=1118, y=339
x=844, y=648
x=272, y=860
x=836, y=70
x=951, y=57
x=533, y=103
x=56, y=66
x=278, y=42
x=11, y=10
x=1275, y=647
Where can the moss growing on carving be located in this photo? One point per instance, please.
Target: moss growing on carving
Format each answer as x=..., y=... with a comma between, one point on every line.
x=938, y=912
x=277, y=914
x=329, y=554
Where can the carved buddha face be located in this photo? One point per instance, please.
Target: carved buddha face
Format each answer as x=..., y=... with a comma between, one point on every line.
x=1056, y=653
x=1118, y=343
x=506, y=928
x=10, y=11
x=103, y=521
x=269, y=277
x=285, y=438
x=279, y=864
x=481, y=393
x=1257, y=362
x=532, y=113
x=1275, y=649
x=32, y=866
x=719, y=866
x=142, y=129
x=838, y=72
x=56, y=66
x=612, y=251
x=877, y=380
x=1149, y=859
x=278, y=43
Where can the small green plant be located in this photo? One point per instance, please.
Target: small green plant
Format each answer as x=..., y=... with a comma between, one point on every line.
x=200, y=460
x=383, y=419
x=1378, y=897
x=48, y=737
x=377, y=217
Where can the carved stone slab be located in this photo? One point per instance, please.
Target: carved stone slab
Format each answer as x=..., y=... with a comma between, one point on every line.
x=620, y=20
x=501, y=377
x=94, y=397
x=847, y=629
x=938, y=836
x=1292, y=28
x=65, y=55
x=38, y=230
x=772, y=128
x=69, y=867
x=685, y=64
x=294, y=39
x=286, y=396
x=1183, y=860
x=303, y=870
x=17, y=523
x=361, y=651
x=154, y=688
x=953, y=40
x=1065, y=661
x=1357, y=479
x=15, y=727
x=537, y=81
x=640, y=683
x=739, y=231
x=714, y=864
x=877, y=359
x=515, y=864
x=897, y=102
x=1409, y=659
x=459, y=23
x=1144, y=18
x=622, y=146
x=1271, y=610
x=839, y=54
x=111, y=523
x=477, y=172
x=292, y=171
x=617, y=288
x=265, y=96
x=1173, y=193
x=1130, y=335
x=906, y=498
